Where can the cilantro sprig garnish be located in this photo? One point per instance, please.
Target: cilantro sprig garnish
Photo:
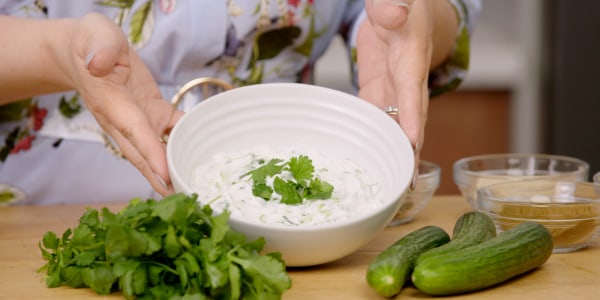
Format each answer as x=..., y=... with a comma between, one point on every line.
x=302, y=185
x=167, y=249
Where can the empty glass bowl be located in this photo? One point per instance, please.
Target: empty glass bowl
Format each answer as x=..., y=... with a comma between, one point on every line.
x=597, y=177
x=569, y=209
x=427, y=183
x=471, y=173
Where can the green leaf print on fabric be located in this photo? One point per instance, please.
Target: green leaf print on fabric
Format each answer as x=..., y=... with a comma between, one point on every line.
x=69, y=108
x=122, y=5
x=28, y=118
x=14, y=111
x=460, y=57
x=306, y=47
x=458, y=60
x=9, y=144
x=270, y=43
x=256, y=76
x=142, y=24
x=450, y=86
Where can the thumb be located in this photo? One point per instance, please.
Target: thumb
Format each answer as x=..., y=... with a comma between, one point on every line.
x=106, y=45
x=388, y=14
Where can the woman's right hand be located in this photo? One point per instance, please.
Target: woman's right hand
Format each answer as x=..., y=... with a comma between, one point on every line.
x=121, y=93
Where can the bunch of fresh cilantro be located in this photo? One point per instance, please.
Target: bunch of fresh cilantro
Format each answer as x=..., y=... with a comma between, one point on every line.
x=303, y=186
x=167, y=249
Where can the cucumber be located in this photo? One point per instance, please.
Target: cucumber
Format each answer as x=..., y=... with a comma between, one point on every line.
x=470, y=229
x=511, y=253
x=389, y=271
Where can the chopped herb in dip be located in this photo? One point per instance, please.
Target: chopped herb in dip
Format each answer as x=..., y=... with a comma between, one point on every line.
x=283, y=186
x=302, y=184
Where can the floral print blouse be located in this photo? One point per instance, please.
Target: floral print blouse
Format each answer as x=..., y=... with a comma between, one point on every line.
x=240, y=41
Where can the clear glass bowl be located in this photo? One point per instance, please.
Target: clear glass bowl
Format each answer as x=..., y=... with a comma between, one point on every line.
x=597, y=177
x=569, y=209
x=471, y=173
x=427, y=183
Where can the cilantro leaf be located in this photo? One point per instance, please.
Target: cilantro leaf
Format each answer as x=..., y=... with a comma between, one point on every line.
x=72, y=277
x=262, y=190
x=305, y=186
x=301, y=168
x=100, y=278
x=86, y=258
x=288, y=191
x=90, y=218
x=319, y=189
x=82, y=235
x=50, y=241
x=266, y=279
x=171, y=245
x=260, y=174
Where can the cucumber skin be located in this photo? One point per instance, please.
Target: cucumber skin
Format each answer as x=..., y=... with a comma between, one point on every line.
x=511, y=253
x=469, y=230
x=389, y=271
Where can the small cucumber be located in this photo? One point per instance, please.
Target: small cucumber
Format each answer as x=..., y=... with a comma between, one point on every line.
x=390, y=270
x=513, y=252
x=470, y=229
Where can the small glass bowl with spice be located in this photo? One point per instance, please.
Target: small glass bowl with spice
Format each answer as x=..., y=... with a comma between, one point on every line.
x=569, y=209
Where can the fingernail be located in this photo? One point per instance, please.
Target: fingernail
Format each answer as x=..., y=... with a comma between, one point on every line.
x=89, y=58
x=161, y=181
x=417, y=145
x=399, y=3
x=413, y=182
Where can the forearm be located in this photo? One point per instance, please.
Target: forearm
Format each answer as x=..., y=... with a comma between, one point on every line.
x=29, y=56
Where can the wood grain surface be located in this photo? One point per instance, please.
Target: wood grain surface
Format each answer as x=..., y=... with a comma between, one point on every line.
x=564, y=276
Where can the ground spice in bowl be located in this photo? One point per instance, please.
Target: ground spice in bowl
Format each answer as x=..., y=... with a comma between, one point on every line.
x=571, y=225
x=569, y=209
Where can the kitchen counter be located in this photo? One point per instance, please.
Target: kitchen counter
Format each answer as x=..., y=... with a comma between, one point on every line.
x=564, y=276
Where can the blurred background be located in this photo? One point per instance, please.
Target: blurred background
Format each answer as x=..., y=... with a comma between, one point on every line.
x=533, y=86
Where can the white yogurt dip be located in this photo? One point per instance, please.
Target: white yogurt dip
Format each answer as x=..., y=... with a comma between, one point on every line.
x=221, y=183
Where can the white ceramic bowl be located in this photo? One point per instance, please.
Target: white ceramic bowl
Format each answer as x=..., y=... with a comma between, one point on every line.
x=297, y=116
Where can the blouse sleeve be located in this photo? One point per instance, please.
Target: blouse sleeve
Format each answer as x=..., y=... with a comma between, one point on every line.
x=452, y=72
